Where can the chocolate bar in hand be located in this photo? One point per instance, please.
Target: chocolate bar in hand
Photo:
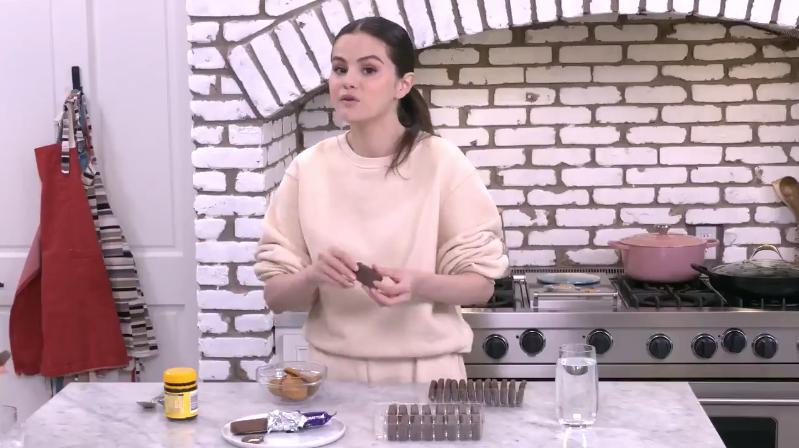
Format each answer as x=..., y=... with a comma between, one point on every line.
x=367, y=276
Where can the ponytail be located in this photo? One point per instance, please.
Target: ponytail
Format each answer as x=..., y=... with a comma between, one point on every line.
x=414, y=114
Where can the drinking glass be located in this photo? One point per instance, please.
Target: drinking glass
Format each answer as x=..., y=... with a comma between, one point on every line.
x=10, y=431
x=577, y=385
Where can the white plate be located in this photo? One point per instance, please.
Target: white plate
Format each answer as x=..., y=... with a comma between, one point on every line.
x=310, y=438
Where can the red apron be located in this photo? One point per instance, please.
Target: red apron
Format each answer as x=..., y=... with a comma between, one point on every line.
x=63, y=320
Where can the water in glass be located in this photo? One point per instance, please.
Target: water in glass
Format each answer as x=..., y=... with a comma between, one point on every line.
x=10, y=431
x=577, y=385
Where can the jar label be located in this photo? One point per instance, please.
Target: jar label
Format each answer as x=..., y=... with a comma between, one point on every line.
x=181, y=405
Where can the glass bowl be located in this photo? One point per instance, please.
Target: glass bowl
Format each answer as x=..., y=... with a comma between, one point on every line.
x=292, y=381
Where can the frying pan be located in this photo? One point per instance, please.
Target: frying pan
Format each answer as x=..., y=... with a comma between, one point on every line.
x=755, y=278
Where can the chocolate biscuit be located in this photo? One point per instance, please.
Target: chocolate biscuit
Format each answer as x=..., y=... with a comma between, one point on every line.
x=367, y=276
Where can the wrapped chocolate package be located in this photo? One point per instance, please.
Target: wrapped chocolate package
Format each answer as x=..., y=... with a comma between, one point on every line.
x=280, y=421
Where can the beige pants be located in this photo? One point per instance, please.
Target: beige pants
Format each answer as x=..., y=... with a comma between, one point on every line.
x=408, y=370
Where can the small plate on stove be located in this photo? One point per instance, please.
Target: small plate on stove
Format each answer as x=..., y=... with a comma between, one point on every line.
x=568, y=278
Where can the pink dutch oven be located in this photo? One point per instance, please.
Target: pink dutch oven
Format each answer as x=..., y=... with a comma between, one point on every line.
x=662, y=257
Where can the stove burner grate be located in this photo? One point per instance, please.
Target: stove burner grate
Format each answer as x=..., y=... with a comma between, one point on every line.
x=691, y=294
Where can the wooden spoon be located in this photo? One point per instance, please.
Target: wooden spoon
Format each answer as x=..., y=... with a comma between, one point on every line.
x=787, y=189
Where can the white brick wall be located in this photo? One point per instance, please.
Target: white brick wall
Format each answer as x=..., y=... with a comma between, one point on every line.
x=583, y=131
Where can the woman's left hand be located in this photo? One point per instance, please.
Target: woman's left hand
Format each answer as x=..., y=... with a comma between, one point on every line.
x=388, y=294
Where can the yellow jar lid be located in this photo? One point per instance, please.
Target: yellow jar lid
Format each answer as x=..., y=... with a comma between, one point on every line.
x=180, y=375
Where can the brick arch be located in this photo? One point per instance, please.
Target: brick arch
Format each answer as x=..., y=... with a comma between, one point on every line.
x=294, y=52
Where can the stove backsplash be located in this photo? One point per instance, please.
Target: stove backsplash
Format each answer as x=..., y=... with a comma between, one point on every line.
x=584, y=132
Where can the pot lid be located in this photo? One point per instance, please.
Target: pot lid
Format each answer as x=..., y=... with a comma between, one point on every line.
x=663, y=239
x=759, y=269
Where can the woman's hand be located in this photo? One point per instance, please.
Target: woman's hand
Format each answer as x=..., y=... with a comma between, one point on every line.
x=334, y=267
x=392, y=294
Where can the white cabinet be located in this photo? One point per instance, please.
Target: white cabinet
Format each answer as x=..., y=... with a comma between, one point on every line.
x=290, y=345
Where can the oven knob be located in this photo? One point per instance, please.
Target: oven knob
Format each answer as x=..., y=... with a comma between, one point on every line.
x=601, y=341
x=765, y=346
x=733, y=341
x=704, y=346
x=659, y=346
x=495, y=346
x=532, y=342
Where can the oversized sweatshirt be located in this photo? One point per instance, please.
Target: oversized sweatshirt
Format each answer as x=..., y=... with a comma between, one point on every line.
x=436, y=216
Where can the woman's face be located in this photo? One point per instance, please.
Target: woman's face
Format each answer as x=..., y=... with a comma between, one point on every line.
x=363, y=81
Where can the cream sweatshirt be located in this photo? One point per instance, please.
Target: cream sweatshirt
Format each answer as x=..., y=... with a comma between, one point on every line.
x=437, y=217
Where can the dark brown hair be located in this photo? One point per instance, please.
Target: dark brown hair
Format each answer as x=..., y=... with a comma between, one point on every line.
x=412, y=109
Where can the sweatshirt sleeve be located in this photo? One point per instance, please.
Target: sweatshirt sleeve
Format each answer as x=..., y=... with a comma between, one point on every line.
x=470, y=232
x=281, y=248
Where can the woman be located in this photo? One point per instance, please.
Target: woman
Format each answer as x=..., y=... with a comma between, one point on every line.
x=394, y=197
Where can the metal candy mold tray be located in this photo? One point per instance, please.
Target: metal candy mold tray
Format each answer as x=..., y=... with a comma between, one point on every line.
x=425, y=422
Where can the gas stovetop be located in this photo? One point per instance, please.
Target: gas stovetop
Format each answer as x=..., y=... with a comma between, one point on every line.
x=638, y=329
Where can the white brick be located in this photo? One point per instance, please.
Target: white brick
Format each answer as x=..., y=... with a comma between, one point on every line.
x=297, y=55
x=247, y=323
x=721, y=174
x=419, y=21
x=211, y=323
x=222, y=347
x=778, y=134
x=568, y=197
x=532, y=257
x=222, y=110
x=656, y=95
x=558, y=74
x=615, y=196
x=250, y=182
x=657, y=52
x=214, y=370
x=771, y=51
x=459, y=97
x=574, y=33
x=694, y=72
x=690, y=155
x=523, y=96
x=206, y=58
x=431, y=77
x=717, y=216
x=625, y=33
x=219, y=157
x=225, y=252
x=656, y=134
x=236, y=31
x=626, y=114
x=213, y=206
x=248, y=228
x=751, y=195
x=207, y=135
x=583, y=217
x=443, y=16
x=604, y=236
x=246, y=276
x=465, y=136
x=654, y=176
x=212, y=275
x=201, y=84
x=756, y=154
x=560, y=115
x=280, y=7
x=250, y=367
x=698, y=31
x=733, y=254
x=590, y=54
x=507, y=197
x=625, y=73
x=519, y=55
x=226, y=300
x=761, y=70
x=485, y=176
x=491, y=76
x=650, y=216
x=588, y=177
x=774, y=215
x=747, y=32
x=514, y=238
x=209, y=228
x=691, y=114
x=593, y=257
x=310, y=25
x=557, y=156
x=490, y=37
x=496, y=117
x=245, y=135
x=722, y=93
x=795, y=111
x=721, y=134
x=209, y=181
x=757, y=113
x=445, y=116
x=558, y=237
x=255, y=85
x=310, y=119
x=502, y=158
x=449, y=56
x=626, y=156
x=276, y=70
x=524, y=136
x=202, y=32
x=689, y=195
x=724, y=51
x=228, y=8
x=518, y=218
x=362, y=9
x=586, y=135
x=590, y=95
x=526, y=178
x=752, y=235
x=320, y=101
x=521, y=12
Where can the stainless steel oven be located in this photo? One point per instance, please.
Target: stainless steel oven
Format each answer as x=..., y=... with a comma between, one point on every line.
x=753, y=414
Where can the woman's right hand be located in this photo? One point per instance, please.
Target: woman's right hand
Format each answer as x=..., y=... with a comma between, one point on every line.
x=334, y=267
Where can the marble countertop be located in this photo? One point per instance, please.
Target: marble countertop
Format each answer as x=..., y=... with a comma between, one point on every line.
x=631, y=414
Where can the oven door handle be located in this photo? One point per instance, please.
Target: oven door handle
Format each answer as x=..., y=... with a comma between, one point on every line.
x=748, y=402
